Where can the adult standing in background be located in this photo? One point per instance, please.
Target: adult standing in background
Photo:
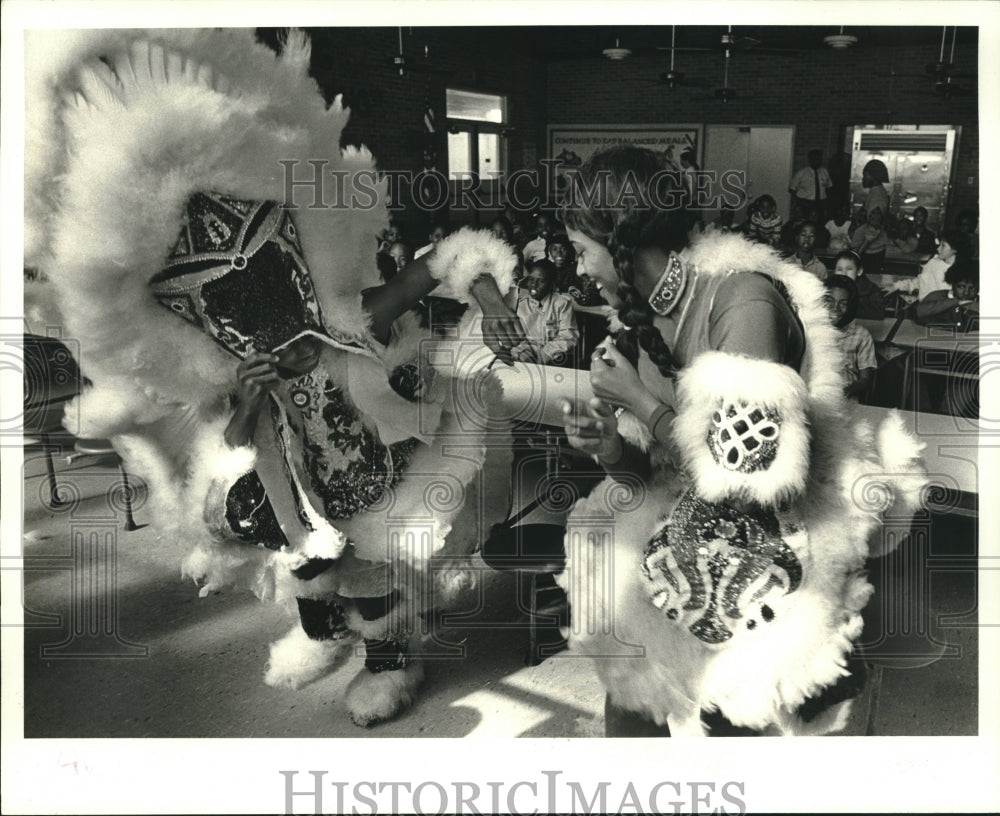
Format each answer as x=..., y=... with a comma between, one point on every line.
x=873, y=176
x=809, y=187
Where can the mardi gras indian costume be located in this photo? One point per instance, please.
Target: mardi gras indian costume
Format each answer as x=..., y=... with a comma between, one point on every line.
x=154, y=180
x=731, y=580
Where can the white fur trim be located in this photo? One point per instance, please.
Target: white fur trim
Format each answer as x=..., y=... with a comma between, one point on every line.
x=759, y=677
x=392, y=624
x=634, y=431
x=464, y=256
x=373, y=698
x=716, y=379
x=114, y=156
x=296, y=659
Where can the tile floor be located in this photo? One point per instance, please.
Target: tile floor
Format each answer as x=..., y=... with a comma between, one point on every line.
x=151, y=659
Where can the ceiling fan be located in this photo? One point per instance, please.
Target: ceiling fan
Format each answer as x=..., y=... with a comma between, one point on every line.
x=943, y=74
x=414, y=63
x=725, y=93
x=729, y=41
x=673, y=78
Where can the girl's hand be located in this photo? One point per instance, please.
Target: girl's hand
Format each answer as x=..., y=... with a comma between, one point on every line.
x=615, y=380
x=502, y=329
x=593, y=430
x=257, y=375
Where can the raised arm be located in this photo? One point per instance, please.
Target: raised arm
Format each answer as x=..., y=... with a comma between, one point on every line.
x=467, y=265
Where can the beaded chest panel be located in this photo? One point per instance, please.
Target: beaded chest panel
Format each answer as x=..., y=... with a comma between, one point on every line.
x=714, y=568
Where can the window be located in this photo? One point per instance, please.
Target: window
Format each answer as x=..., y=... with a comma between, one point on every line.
x=475, y=133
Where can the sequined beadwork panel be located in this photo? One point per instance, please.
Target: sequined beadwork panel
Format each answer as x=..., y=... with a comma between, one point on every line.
x=714, y=567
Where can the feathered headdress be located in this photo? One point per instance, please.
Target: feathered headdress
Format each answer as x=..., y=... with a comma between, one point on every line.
x=124, y=127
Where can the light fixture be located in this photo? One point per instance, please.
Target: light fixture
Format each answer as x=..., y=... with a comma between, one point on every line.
x=841, y=40
x=617, y=53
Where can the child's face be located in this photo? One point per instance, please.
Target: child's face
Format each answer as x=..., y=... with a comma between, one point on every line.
x=538, y=283
x=437, y=235
x=300, y=357
x=919, y=217
x=499, y=231
x=398, y=253
x=945, y=251
x=965, y=290
x=847, y=268
x=559, y=254
x=836, y=301
x=806, y=238
x=391, y=233
x=544, y=226
x=766, y=209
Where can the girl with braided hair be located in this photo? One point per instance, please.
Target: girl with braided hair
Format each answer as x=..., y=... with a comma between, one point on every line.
x=715, y=574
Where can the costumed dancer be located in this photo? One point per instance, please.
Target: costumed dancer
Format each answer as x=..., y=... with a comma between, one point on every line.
x=282, y=406
x=716, y=575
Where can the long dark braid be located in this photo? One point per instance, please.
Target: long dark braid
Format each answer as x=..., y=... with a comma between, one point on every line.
x=632, y=223
x=636, y=314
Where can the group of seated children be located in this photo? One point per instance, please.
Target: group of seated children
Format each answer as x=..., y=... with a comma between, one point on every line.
x=548, y=283
x=957, y=304
x=946, y=289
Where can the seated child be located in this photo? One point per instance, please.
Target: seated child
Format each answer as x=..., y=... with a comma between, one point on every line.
x=581, y=287
x=957, y=306
x=503, y=229
x=856, y=343
x=904, y=240
x=951, y=247
x=926, y=239
x=764, y=225
x=437, y=234
x=839, y=228
x=547, y=316
x=535, y=248
x=871, y=301
x=401, y=254
x=967, y=223
x=389, y=236
x=870, y=241
x=805, y=239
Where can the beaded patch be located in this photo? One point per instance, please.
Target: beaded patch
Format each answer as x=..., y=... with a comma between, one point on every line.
x=667, y=292
x=744, y=437
x=713, y=565
x=250, y=515
x=348, y=468
x=237, y=272
x=389, y=654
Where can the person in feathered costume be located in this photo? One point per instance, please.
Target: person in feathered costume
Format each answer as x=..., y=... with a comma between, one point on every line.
x=283, y=406
x=717, y=575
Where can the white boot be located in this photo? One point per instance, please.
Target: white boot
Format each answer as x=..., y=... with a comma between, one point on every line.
x=376, y=697
x=296, y=659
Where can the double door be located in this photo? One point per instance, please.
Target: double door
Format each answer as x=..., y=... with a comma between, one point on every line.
x=764, y=153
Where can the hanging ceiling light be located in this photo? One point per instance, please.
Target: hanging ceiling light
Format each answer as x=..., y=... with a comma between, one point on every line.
x=617, y=53
x=841, y=40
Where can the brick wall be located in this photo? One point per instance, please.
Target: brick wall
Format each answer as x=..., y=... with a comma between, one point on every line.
x=387, y=110
x=821, y=93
